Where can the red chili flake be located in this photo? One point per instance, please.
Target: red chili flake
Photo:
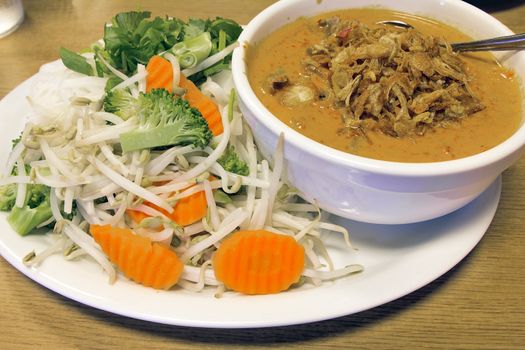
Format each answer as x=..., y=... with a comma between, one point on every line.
x=343, y=34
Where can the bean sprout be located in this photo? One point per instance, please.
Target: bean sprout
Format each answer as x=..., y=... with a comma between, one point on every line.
x=73, y=147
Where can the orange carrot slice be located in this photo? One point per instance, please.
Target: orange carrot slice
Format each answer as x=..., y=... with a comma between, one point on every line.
x=136, y=216
x=204, y=104
x=142, y=261
x=160, y=74
x=186, y=211
x=189, y=210
x=258, y=262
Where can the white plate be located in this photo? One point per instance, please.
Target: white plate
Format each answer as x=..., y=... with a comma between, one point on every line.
x=397, y=260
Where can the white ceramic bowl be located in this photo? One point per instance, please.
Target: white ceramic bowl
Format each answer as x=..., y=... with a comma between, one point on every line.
x=365, y=189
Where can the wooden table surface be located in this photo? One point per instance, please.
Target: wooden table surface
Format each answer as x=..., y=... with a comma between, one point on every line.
x=478, y=304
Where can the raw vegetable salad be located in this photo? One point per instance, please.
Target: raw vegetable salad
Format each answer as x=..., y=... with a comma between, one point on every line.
x=137, y=155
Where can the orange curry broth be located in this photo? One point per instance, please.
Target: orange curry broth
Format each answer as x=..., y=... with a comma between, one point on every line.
x=495, y=86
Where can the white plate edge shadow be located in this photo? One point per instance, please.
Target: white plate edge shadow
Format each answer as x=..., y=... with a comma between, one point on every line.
x=441, y=244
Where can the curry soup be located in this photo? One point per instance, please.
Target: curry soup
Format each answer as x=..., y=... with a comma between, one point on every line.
x=495, y=87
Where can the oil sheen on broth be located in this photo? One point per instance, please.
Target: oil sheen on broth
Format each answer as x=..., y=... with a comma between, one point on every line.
x=494, y=86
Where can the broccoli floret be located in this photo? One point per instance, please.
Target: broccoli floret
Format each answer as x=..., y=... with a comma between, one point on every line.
x=121, y=103
x=35, y=211
x=7, y=197
x=36, y=208
x=166, y=120
x=231, y=162
x=36, y=194
x=8, y=192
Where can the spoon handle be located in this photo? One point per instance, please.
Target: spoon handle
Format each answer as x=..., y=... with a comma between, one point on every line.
x=502, y=43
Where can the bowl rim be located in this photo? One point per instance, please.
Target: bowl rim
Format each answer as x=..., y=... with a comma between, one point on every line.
x=246, y=94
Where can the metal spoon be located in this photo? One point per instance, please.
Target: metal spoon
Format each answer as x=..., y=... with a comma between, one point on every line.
x=502, y=43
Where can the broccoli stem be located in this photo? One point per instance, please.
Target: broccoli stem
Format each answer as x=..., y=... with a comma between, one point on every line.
x=24, y=220
x=172, y=134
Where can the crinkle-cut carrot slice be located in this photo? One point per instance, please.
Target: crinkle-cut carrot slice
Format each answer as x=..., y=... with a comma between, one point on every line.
x=189, y=210
x=136, y=216
x=142, y=261
x=186, y=211
x=160, y=74
x=204, y=104
x=258, y=262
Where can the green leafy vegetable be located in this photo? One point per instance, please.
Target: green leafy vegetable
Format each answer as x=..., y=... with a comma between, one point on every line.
x=75, y=62
x=231, y=28
x=195, y=27
x=101, y=68
x=133, y=38
x=165, y=120
x=231, y=162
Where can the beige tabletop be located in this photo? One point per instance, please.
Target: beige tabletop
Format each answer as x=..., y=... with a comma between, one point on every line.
x=480, y=303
